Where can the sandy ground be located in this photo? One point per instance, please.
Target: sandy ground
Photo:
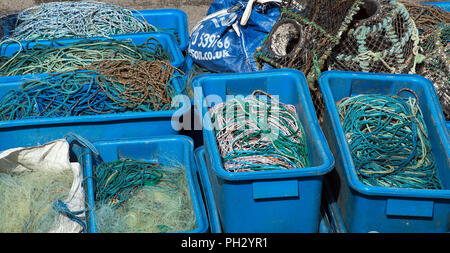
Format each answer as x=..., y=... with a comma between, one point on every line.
x=195, y=9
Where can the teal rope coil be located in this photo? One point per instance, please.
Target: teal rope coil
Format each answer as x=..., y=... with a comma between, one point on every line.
x=117, y=181
x=259, y=133
x=68, y=56
x=56, y=20
x=388, y=141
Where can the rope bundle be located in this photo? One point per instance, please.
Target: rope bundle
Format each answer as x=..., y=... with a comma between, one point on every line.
x=388, y=140
x=117, y=181
x=89, y=92
x=63, y=57
x=255, y=134
x=76, y=19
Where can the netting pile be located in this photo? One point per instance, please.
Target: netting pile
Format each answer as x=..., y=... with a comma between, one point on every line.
x=26, y=203
x=259, y=133
x=142, y=196
x=76, y=19
x=433, y=24
x=305, y=33
x=388, y=141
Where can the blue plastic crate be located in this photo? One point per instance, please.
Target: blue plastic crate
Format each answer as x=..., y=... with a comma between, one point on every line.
x=31, y=132
x=267, y=201
x=161, y=149
x=383, y=209
x=202, y=168
x=214, y=221
x=166, y=40
x=172, y=21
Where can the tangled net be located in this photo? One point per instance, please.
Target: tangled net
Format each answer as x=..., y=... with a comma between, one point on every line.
x=92, y=92
x=69, y=56
x=56, y=20
x=27, y=199
x=388, y=141
x=255, y=134
x=433, y=24
x=142, y=196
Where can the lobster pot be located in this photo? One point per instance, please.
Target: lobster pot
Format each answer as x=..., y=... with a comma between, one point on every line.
x=305, y=33
x=382, y=38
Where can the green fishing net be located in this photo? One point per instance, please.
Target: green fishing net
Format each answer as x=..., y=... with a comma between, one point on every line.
x=26, y=200
x=148, y=199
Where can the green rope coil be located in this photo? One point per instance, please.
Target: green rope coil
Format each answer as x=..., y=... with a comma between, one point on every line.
x=388, y=141
x=63, y=57
x=256, y=134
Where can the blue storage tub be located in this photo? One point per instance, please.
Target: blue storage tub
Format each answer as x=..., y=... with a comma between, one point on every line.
x=205, y=183
x=172, y=21
x=32, y=132
x=266, y=201
x=161, y=149
x=383, y=209
x=213, y=216
x=166, y=40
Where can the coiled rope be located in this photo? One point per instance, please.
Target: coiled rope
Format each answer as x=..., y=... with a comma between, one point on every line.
x=388, y=141
x=56, y=20
x=259, y=133
x=63, y=57
x=91, y=92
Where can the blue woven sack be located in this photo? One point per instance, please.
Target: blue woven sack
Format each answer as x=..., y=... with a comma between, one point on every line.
x=226, y=39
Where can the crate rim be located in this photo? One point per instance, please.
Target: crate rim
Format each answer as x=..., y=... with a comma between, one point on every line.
x=322, y=145
x=349, y=168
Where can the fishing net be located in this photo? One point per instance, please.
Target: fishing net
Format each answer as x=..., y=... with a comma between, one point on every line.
x=388, y=141
x=382, y=38
x=433, y=24
x=305, y=33
x=142, y=196
x=41, y=191
x=259, y=133
x=76, y=19
x=27, y=198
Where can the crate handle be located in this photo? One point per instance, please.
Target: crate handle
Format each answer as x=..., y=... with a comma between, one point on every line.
x=409, y=208
x=275, y=189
